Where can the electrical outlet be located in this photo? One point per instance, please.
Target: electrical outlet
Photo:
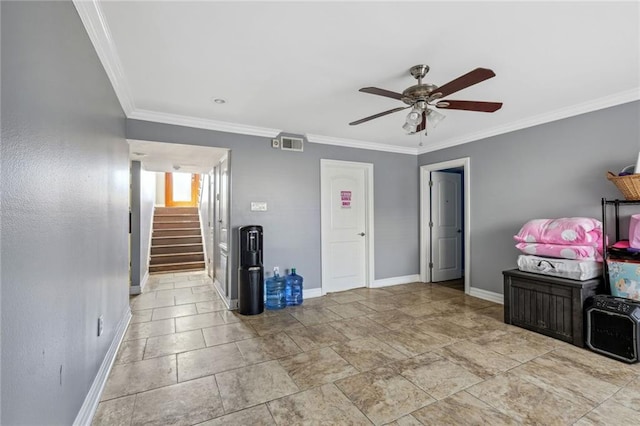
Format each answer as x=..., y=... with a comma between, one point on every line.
x=258, y=206
x=100, y=325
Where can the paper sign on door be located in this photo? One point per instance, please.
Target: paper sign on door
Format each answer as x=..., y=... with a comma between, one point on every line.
x=345, y=196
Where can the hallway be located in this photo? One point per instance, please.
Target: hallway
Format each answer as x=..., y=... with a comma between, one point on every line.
x=410, y=354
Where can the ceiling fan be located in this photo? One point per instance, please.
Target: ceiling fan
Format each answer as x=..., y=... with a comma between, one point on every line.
x=422, y=96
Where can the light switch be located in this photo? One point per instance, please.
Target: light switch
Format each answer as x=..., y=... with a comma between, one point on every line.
x=258, y=206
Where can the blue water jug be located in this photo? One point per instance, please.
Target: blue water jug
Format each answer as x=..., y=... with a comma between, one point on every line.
x=275, y=297
x=293, y=288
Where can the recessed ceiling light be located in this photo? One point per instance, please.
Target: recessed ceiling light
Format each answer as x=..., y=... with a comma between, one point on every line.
x=139, y=154
x=219, y=101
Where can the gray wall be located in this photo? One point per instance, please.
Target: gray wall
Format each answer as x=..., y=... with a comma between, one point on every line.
x=290, y=183
x=552, y=170
x=143, y=195
x=65, y=176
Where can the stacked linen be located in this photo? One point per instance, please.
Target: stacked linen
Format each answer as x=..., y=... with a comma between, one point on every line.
x=568, y=247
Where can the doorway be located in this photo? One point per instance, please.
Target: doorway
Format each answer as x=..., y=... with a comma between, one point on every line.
x=346, y=211
x=444, y=221
x=181, y=189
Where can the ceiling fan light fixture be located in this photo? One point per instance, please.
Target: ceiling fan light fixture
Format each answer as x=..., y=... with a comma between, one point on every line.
x=434, y=118
x=414, y=118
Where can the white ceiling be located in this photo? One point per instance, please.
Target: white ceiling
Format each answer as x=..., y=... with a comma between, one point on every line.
x=169, y=157
x=297, y=66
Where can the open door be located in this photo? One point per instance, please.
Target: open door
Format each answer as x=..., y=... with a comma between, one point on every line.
x=181, y=189
x=446, y=226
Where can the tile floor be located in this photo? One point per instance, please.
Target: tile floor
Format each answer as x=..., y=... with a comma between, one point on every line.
x=405, y=355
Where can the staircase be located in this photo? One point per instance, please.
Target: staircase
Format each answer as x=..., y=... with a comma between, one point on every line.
x=176, y=243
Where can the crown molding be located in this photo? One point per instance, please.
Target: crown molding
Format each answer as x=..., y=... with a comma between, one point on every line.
x=558, y=114
x=96, y=25
x=352, y=143
x=202, y=123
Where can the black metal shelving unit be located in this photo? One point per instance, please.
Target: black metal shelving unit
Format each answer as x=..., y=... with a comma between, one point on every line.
x=616, y=205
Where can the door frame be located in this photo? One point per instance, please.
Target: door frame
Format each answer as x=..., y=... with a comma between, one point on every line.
x=425, y=216
x=369, y=231
x=168, y=191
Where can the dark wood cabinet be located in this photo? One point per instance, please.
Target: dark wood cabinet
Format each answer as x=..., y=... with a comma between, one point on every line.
x=548, y=305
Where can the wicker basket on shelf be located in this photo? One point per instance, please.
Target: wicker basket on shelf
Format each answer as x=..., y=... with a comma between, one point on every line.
x=629, y=185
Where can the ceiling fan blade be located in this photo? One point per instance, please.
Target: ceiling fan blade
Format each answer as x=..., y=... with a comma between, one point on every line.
x=469, y=79
x=381, y=92
x=423, y=123
x=380, y=114
x=470, y=105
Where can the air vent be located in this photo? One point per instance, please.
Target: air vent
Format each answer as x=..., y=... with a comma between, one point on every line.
x=291, y=144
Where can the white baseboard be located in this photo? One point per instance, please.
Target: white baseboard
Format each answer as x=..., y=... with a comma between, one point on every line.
x=90, y=404
x=385, y=282
x=486, y=295
x=138, y=289
x=311, y=293
x=144, y=280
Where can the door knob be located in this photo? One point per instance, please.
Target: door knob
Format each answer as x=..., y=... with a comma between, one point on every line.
x=361, y=234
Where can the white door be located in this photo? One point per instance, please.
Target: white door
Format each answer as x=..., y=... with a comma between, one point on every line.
x=222, y=225
x=345, y=217
x=446, y=226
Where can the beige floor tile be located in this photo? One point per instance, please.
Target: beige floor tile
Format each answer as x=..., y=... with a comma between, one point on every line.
x=431, y=309
x=315, y=302
x=282, y=321
x=381, y=305
x=150, y=301
x=324, y=405
x=371, y=293
x=316, y=336
x=202, y=288
x=480, y=361
x=382, y=395
x=462, y=409
x=358, y=328
x=155, y=286
x=176, y=292
x=443, y=328
x=629, y=396
x=265, y=348
x=227, y=333
x=149, y=329
x=195, y=322
x=195, y=298
x=253, y=385
x=141, y=316
x=131, y=351
x=528, y=403
x=610, y=413
x=183, y=404
x=207, y=361
x=522, y=347
x=189, y=283
x=394, y=319
x=128, y=379
x=408, y=288
x=548, y=372
x=351, y=310
x=173, y=343
x=344, y=297
x=317, y=367
x=601, y=367
x=410, y=342
x=173, y=311
x=435, y=375
x=407, y=420
x=312, y=316
x=115, y=412
x=230, y=317
x=211, y=306
x=367, y=353
x=254, y=416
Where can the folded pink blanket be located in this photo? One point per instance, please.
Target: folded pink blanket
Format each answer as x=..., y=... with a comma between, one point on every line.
x=564, y=251
x=580, y=231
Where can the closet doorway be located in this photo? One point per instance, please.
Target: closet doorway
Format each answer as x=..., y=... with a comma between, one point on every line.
x=444, y=222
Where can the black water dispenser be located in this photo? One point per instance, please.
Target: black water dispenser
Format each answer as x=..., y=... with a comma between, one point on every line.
x=250, y=270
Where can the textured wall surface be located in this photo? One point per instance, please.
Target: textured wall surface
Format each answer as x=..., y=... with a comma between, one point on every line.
x=65, y=178
x=552, y=170
x=290, y=184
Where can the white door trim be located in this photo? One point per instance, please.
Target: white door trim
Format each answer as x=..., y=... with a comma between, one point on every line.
x=369, y=252
x=425, y=208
